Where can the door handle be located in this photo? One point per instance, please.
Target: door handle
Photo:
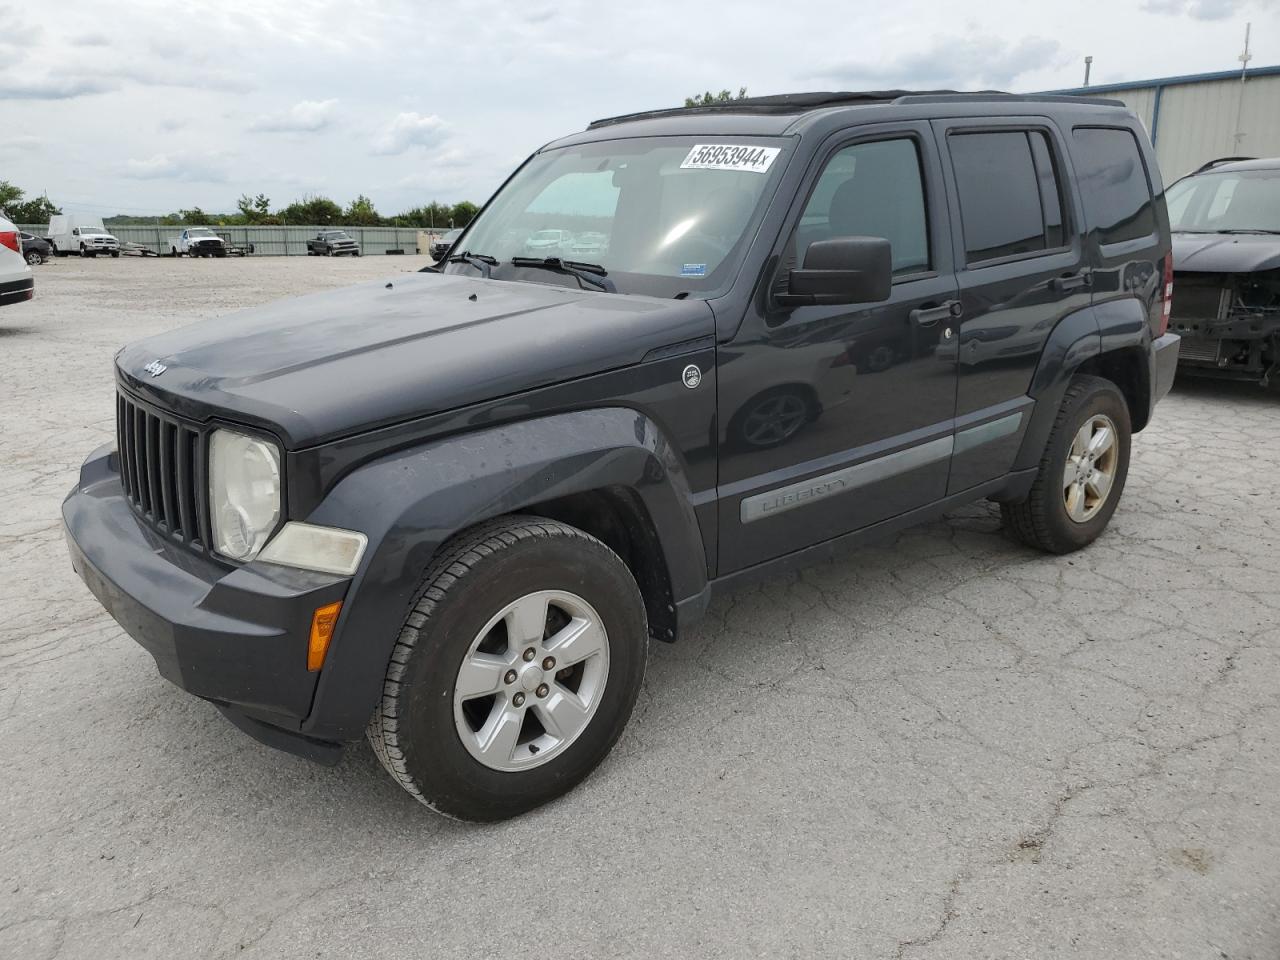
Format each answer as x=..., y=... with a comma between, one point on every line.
x=928, y=316
x=1071, y=281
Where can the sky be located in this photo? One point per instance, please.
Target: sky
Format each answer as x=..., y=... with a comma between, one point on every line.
x=144, y=107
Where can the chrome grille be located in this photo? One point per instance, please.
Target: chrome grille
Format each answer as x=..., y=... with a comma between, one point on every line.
x=162, y=470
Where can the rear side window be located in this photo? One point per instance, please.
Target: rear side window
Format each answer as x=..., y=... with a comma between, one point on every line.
x=1113, y=180
x=1010, y=198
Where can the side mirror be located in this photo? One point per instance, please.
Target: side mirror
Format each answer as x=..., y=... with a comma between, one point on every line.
x=842, y=270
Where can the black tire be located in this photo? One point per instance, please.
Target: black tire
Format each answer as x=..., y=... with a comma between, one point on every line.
x=413, y=731
x=33, y=258
x=1041, y=520
x=84, y=252
x=115, y=253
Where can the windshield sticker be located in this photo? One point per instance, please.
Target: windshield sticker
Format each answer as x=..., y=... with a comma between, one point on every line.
x=727, y=156
x=693, y=270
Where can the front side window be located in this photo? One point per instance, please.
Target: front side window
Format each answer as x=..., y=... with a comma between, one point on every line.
x=663, y=216
x=1113, y=181
x=1010, y=201
x=1247, y=201
x=871, y=190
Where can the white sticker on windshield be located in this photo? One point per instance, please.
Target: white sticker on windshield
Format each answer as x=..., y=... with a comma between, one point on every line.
x=728, y=156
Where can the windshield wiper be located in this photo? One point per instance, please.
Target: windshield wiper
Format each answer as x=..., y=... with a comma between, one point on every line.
x=480, y=261
x=585, y=273
x=1247, y=230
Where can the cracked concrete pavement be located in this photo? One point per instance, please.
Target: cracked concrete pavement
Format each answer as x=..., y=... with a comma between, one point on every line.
x=945, y=747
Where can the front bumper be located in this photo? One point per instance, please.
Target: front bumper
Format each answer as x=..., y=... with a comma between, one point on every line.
x=1164, y=353
x=236, y=636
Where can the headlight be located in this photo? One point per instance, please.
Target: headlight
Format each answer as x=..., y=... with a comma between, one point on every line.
x=244, y=493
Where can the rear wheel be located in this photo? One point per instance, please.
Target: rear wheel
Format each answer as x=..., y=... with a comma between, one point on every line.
x=516, y=671
x=34, y=257
x=1082, y=472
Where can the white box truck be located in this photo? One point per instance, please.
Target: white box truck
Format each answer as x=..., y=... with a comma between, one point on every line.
x=76, y=233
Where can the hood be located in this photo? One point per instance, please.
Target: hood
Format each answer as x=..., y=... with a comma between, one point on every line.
x=1226, y=253
x=204, y=239
x=331, y=364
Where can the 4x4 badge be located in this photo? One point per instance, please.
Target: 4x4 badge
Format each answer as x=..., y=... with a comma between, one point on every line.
x=692, y=376
x=155, y=368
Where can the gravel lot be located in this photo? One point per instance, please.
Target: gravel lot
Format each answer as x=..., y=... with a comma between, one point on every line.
x=947, y=747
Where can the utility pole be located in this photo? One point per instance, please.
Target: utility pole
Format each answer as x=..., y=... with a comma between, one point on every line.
x=1088, y=63
x=1244, y=59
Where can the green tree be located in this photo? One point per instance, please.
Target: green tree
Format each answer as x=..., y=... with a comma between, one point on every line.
x=433, y=215
x=254, y=210
x=195, y=216
x=19, y=210
x=708, y=98
x=312, y=210
x=463, y=213
x=361, y=213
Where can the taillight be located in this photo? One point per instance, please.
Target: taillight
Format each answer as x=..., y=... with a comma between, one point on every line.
x=9, y=238
x=1166, y=306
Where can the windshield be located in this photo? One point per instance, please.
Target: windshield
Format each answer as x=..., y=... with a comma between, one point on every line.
x=334, y=235
x=1244, y=200
x=663, y=215
x=199, y=232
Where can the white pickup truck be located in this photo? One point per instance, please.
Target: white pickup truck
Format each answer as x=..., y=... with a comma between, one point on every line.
x=197, y=242
x=76, y=233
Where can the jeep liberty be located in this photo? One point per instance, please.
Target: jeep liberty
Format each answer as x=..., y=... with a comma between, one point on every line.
x=448, y=512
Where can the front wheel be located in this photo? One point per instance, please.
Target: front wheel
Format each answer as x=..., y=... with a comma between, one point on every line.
x=34, y=258
x=1082, y=472
x=515, y=673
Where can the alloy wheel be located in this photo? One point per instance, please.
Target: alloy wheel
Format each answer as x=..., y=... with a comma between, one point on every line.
x=531, y=680
x=1090, y=470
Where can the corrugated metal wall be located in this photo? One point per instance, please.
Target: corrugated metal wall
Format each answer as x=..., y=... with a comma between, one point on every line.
x=268, y=241
x=1194, y=121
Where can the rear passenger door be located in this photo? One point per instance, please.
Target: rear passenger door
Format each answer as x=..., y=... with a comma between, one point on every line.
x=1021, y=269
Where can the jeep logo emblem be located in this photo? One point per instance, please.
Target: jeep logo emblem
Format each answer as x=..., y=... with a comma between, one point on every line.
x=692, y=376
x=155, y=368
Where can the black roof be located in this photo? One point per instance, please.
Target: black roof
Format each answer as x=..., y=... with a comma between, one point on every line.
x=796, y=103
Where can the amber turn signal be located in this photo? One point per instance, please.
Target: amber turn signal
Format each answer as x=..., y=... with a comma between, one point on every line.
x=322, y=624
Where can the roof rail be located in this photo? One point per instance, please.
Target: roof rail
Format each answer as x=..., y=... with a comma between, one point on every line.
x=1219, y=161
x=804, y=102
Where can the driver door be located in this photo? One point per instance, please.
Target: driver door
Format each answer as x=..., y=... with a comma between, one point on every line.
x=834, y=418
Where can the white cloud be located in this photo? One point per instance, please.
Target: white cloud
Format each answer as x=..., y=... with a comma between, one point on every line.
x=94, y=39
x=1196, y=9
x=951, y=63
x=450, y=158
x=308, y=116
x=66, y=87
x=410, y=130
x=187, y=167
x=24, y=143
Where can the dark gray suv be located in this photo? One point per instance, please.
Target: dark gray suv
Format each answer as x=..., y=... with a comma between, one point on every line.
x=448, y=512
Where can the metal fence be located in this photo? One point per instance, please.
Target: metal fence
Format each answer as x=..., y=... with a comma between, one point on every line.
x=273, y=241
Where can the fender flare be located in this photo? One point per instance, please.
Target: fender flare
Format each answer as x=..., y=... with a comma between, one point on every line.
x=410, y=502
x=1091, y=334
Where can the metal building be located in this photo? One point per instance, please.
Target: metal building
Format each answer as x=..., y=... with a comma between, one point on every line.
x=1199, y=117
